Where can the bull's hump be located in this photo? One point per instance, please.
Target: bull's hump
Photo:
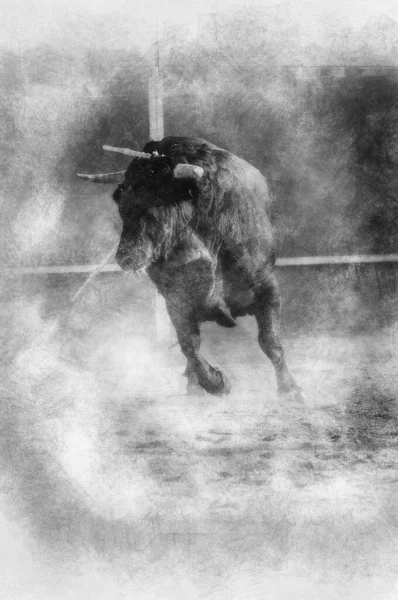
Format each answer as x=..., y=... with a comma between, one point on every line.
x=183, y=144
x=190, y=150
x=231, y=171
x=198, y=151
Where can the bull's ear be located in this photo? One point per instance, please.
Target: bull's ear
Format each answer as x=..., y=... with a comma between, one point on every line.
x=186, y=171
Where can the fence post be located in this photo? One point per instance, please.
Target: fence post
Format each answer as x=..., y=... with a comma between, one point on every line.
x=164, y=331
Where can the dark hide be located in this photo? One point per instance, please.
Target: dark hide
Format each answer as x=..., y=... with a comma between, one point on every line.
x=207, y=245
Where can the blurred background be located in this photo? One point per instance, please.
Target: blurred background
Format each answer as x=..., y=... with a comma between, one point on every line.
x=113, y=483
x=305, y=94
x=308, y=94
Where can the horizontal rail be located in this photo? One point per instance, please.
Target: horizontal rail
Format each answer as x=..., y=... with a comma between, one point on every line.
x=296, y=261
x=58, y=270
x=351, y=259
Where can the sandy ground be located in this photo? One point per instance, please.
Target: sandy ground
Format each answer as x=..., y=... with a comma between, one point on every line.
x=115, y=484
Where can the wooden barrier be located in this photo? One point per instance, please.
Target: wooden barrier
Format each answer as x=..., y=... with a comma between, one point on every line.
x=296, y=261
x=383, y=265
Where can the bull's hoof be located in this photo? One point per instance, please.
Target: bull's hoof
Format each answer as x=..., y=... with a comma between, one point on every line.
x=218, y=385
x=293, y=395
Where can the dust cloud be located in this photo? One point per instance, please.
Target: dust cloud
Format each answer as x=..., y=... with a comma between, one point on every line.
x=115, y=483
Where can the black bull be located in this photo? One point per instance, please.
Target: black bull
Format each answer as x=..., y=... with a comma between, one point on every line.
x=205, y=238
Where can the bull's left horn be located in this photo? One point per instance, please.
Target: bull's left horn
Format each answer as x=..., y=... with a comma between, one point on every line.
x=117, y=177
x=127, y=152
x=184, y=171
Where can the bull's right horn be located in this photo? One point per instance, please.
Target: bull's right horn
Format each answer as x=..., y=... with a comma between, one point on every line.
x=127, y=152
x=186, y=171
x=117, y=177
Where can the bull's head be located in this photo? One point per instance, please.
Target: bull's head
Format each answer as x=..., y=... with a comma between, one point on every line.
x=153, y=198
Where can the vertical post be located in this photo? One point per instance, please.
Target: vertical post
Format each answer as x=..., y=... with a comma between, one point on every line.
x=156, y=133
x=155, y=93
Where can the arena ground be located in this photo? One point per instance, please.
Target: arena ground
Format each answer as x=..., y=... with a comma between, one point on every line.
x=115, y=484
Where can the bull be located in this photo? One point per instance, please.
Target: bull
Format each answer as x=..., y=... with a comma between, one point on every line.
x=197, y=219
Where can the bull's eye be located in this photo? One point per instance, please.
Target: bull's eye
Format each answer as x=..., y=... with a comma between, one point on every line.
x=117, y=194
x=151, y=221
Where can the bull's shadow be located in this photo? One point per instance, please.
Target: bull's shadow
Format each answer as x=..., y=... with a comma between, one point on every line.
x=197, y=219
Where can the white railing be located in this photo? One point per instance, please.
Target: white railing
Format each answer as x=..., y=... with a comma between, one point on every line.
x=296, y=261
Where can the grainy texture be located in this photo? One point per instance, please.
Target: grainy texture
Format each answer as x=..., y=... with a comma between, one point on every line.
x=114, y=483
x=117, y=483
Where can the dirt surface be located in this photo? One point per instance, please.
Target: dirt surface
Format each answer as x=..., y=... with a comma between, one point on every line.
x=116, y=484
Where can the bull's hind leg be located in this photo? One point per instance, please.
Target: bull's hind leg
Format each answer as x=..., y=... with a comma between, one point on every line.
x=198, y=370
x=267, y=312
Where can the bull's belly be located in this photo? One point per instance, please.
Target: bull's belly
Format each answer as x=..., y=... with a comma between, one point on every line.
x=196, y=288
x=241, y=268
x=239, y=301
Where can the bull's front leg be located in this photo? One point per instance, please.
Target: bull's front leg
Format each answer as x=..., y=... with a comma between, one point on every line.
x=198, y=370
